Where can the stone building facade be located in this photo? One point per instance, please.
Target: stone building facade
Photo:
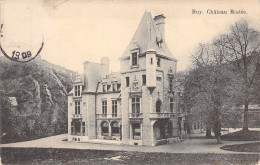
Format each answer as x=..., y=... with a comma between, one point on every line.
x=137, y=105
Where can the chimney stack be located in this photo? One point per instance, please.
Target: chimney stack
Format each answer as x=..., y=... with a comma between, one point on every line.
x=159, y=21
x=104, y=66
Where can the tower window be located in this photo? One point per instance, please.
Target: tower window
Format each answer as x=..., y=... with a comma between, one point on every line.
x=127, y=81
x=134, y=59
x=151, y=60
x=144, y=79
x=171, y=84
x=171, y=104
x=158, y=105
x=136, y=105
x=77, y=90
x=158, y=62
x=77, y=107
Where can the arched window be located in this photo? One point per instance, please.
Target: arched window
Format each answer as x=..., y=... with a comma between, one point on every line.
x=115, y=128
x=158, y=105
x=104, y=128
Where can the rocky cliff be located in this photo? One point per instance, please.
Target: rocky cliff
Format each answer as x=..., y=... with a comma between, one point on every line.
x=40, y=89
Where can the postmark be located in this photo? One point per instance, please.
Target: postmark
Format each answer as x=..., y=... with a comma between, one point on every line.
x=22, y=56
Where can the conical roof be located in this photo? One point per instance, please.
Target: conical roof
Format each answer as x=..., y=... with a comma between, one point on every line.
x=146, y=37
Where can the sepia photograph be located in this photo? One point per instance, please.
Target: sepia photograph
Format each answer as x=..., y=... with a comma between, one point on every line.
x=130, y=82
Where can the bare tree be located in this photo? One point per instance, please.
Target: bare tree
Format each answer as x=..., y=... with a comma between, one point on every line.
x=240, y=48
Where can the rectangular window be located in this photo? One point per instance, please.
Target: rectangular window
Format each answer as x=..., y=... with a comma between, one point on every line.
x=72, y=128
x=127, y=81
x=171, y=104
x=144, y=79
x=134, y=59
x=114, y=87
x=171, y=84
x=136, y=105
x=108, y=87
x=77, y=107
x=104, y=88
x=158, y=62
x=114, y=108
x=77, y=90
x=159, y=79
x=136, y=131
x=118, y=86
x=83, y=128
x=104, y=107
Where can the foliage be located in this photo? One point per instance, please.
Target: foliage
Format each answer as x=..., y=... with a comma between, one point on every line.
x=224, y=76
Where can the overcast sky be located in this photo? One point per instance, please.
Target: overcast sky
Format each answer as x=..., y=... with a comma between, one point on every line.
x=75, y=31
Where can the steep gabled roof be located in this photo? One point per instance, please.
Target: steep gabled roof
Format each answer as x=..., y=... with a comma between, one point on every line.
x=146, y=37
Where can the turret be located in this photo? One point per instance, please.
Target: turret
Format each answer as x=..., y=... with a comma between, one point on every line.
x=151, y=69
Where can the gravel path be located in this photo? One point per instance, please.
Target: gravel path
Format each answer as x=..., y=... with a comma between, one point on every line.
x=195, y=145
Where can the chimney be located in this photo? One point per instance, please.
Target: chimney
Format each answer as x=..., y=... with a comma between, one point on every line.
x=104, y=66
x=160, y=24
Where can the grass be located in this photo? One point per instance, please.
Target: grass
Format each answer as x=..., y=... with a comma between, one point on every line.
x=76, y=156
x=249, y=147
x=242, y=136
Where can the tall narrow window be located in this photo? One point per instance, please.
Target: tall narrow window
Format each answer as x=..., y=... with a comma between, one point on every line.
x=77, y=90
x=72, y=128
x=158, y=105
x=171, y=104
x=108, y=87
x=127, y=81
x=171, y=84
x=104, y=88
x=158, y=62
x=83, y=128
x=136, y=131
x=144, y=79
x=118, y=86
x=114, y=108
x=151, y=60
x=77, y=107
x=134, y=59
x=114, y=87
x=136, y=105
x=104, y=108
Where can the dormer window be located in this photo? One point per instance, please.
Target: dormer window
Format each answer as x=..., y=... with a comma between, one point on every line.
x=77, y=90
x=134, y=59
x=108, y=87
x=114, y=87
x=104, y=88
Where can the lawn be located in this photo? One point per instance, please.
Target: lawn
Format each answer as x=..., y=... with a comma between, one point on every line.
x=249, y=147
x=76, y=156
x=242, y=136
